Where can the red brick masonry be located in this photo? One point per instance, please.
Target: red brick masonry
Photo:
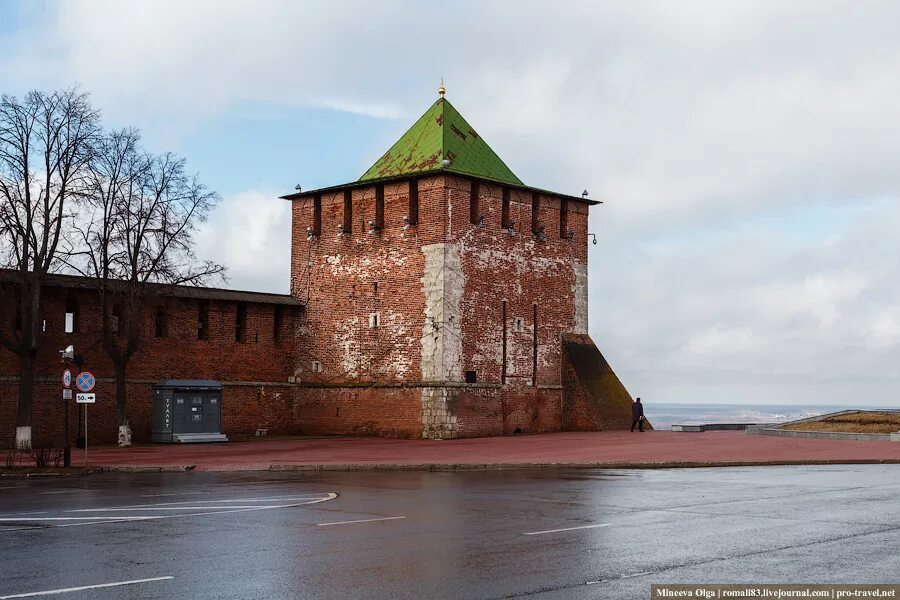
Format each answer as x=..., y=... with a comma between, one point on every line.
x=608, y=448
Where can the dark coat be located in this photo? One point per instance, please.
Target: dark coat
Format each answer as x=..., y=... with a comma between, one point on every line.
x=637, y=410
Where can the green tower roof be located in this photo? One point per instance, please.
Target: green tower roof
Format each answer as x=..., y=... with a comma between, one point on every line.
x=441, y=133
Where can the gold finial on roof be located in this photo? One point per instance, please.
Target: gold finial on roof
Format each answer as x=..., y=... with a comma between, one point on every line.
x=442, y=90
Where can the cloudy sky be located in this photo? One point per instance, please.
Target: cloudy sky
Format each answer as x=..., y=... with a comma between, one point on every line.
x=748, y=153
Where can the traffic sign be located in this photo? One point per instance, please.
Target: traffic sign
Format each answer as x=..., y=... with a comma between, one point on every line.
x=67, y=394
x=67, y=378
x=85, y=381
x=85, y=398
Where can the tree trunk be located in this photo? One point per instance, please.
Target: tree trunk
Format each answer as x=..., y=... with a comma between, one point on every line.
x=122, y=405
x=26, y=394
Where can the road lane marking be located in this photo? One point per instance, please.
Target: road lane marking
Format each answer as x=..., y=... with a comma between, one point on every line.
x=63, y=492
x=272, y=499
x=358, y=521
x=125, y=508
x=90, y=520
x=594, y=526
x=174, y=494
x=257, y=499
x=30, y=519
x=86, y=587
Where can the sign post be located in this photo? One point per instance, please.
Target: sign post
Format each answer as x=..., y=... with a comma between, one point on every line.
x=85, y=383
x=67, y=395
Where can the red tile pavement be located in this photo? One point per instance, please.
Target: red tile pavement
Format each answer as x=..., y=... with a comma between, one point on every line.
x=613, y=448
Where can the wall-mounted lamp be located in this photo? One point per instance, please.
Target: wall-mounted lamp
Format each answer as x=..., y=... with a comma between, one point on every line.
x=340, y=229
x=511, y=228
x=539, y=233
x=309, y=234
x=405, y=223
x=570, y=234
x=593, y=238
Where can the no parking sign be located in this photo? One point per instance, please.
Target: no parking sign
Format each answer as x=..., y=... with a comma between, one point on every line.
x=85, y=381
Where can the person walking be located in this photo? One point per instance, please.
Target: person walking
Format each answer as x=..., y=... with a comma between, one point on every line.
x=637, y=415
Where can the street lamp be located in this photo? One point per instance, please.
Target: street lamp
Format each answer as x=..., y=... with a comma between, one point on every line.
x=66, y=356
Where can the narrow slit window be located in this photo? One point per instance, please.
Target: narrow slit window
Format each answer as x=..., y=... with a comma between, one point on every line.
x=240, y=323
x=474, y=214
x=277, y=322
x=413, y=217
x=348, y=212
x=115, y=318
x=503, y=356
x=563, y=218
x=379, y=207
x=71, y=324
x=203, y=320
x=317, y=215
x=534, y=345
x=535, y=212
x=504, y=214
x=161, y=322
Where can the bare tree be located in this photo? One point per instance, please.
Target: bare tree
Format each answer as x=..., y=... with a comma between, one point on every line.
x=135, y=241
x=46, y=142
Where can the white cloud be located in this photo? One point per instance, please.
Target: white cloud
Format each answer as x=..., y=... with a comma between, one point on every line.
x=718, y=341
x=884, y=332
x=249, y=233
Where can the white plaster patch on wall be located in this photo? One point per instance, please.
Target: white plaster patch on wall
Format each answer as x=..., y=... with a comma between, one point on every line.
x=454, y=286
x=529, y=258
x=443, y=284
x=349, y=362
x=433, y=290
x=580, y=293
x=545, y=351
x=345, y=335
x=398, y=259
x=396, y=362
x=491, y=353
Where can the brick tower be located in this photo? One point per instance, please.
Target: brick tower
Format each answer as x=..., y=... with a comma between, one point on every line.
x=440, y=294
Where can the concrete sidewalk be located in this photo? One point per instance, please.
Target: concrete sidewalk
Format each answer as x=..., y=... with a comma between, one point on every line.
x=607, y=448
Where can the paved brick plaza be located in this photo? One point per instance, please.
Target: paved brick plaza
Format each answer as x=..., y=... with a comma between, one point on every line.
x=612, y=448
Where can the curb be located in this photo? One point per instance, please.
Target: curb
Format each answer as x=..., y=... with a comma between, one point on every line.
x=146, y=469
x=447, y=467
x=825, y=435
x=72, y=472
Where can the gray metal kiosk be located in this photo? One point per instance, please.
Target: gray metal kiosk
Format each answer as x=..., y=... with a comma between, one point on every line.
x=187, y=410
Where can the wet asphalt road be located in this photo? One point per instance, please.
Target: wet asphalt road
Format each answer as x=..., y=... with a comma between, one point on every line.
x=491, y=534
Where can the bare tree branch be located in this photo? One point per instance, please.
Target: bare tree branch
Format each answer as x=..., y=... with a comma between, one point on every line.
x=134, y=239
x=46, y=143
